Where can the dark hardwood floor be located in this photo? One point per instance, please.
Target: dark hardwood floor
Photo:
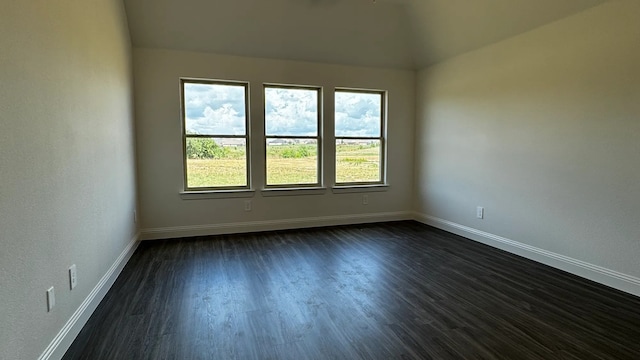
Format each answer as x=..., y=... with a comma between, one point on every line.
x=398, y=290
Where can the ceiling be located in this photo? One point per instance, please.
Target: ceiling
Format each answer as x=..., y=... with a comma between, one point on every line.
x=409, y=34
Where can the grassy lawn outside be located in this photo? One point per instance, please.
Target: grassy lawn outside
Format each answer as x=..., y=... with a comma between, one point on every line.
x=286, y=164
x=357, y=163
x=216, y=172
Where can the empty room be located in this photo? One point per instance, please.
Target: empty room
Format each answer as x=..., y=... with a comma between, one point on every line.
x=320, y=179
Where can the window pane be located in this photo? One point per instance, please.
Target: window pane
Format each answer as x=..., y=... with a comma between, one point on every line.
x=215, y=162
x=358, y=161
x=292, y=161
x=214, y=109
x=358, y=114
x=291, y=112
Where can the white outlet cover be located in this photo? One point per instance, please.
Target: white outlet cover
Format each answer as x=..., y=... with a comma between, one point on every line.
x=73, y=276
x=51, y=298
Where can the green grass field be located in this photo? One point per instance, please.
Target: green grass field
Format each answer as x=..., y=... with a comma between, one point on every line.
x=357, y=163
x=286, y=164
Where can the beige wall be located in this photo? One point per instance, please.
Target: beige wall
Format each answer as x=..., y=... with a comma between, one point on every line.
x=67, y=184
x=159, y=143
x=543, y=130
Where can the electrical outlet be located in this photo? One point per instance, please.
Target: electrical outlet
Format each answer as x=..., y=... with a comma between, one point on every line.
x=247, y=205
x=135, y=217
x=51, y=299
x=365, y=199
x=73, y=277
x=480, y=212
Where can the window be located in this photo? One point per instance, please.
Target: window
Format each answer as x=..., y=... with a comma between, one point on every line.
x=359, y=133
x=215, y=137
x=292, y=136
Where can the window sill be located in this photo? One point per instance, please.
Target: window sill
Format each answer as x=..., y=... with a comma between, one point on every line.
x=345, y=189
x=216, y=194
x=293, y=191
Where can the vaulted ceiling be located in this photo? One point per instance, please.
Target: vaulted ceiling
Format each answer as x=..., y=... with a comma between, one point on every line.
x=408, y=34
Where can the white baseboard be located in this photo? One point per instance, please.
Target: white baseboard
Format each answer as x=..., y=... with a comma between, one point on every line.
x=61, y=343
x=254, y=226
x=617, y=280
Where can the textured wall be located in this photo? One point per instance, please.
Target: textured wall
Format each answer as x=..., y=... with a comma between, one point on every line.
x=542, y=130
x=159, y=141
x=67, y=163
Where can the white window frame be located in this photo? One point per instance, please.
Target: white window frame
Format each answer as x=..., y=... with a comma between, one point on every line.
x=247, y=137
x=382, y=138
x=317, y=138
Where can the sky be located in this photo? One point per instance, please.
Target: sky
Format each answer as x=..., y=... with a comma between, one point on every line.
x=216, y=109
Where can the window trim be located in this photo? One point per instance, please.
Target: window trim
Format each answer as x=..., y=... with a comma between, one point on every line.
x=319, y=138
x=382, y=138
x=247, y=137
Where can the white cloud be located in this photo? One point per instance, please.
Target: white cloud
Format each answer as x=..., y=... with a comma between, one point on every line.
x=221, y=121
x=214, y=109
x=357, y=114
x=292, y=112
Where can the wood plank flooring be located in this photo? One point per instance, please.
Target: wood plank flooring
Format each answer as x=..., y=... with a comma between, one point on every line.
x=399, y=290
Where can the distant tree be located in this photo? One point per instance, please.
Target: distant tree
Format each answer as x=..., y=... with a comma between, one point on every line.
x=296, y=152
x=205, y=148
